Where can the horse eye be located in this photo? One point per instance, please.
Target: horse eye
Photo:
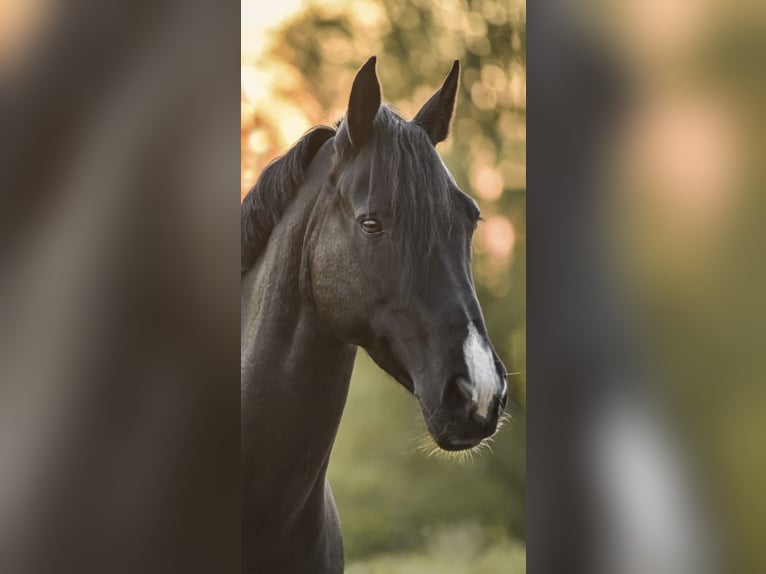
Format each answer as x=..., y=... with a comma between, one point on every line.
x=371, y=226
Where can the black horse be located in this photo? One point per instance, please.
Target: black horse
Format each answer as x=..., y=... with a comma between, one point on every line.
x=356, y=237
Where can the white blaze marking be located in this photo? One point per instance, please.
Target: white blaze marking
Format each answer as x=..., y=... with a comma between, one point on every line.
x=481, y=369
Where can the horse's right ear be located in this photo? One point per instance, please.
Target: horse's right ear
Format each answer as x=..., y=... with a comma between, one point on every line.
x=436, y=114
x=363, y=104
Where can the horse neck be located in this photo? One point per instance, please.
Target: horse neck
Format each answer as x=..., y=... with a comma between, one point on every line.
x=295, y=374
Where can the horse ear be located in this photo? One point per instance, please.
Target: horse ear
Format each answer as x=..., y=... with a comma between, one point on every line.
x=436, y=114
x=363, y=104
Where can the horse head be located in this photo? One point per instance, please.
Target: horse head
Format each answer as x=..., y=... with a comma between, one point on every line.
x=390, y=262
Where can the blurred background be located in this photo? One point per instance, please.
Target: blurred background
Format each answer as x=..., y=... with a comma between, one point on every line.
x=402, y=511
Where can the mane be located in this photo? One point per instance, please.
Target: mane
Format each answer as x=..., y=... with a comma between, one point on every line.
x=269, y=197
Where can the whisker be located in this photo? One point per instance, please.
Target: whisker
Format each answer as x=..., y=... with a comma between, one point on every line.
x=428, y=446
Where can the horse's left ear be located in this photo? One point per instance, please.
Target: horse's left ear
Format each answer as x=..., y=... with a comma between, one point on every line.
x=363, y=104
x=436, y=114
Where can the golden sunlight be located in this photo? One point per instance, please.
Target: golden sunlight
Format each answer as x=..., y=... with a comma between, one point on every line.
x=262, y=139
x=258, y=19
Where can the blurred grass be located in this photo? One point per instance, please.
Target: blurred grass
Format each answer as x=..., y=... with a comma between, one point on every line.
x=461, y=549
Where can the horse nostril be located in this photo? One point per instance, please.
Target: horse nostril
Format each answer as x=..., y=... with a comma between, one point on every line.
x=458, y=395
x=504, y=398
x=465, y=386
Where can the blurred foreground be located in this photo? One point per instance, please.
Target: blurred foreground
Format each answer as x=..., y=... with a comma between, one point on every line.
x=119, y=402
x=646, y=266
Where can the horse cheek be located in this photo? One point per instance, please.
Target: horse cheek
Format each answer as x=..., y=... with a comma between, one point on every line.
x=337, y=290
